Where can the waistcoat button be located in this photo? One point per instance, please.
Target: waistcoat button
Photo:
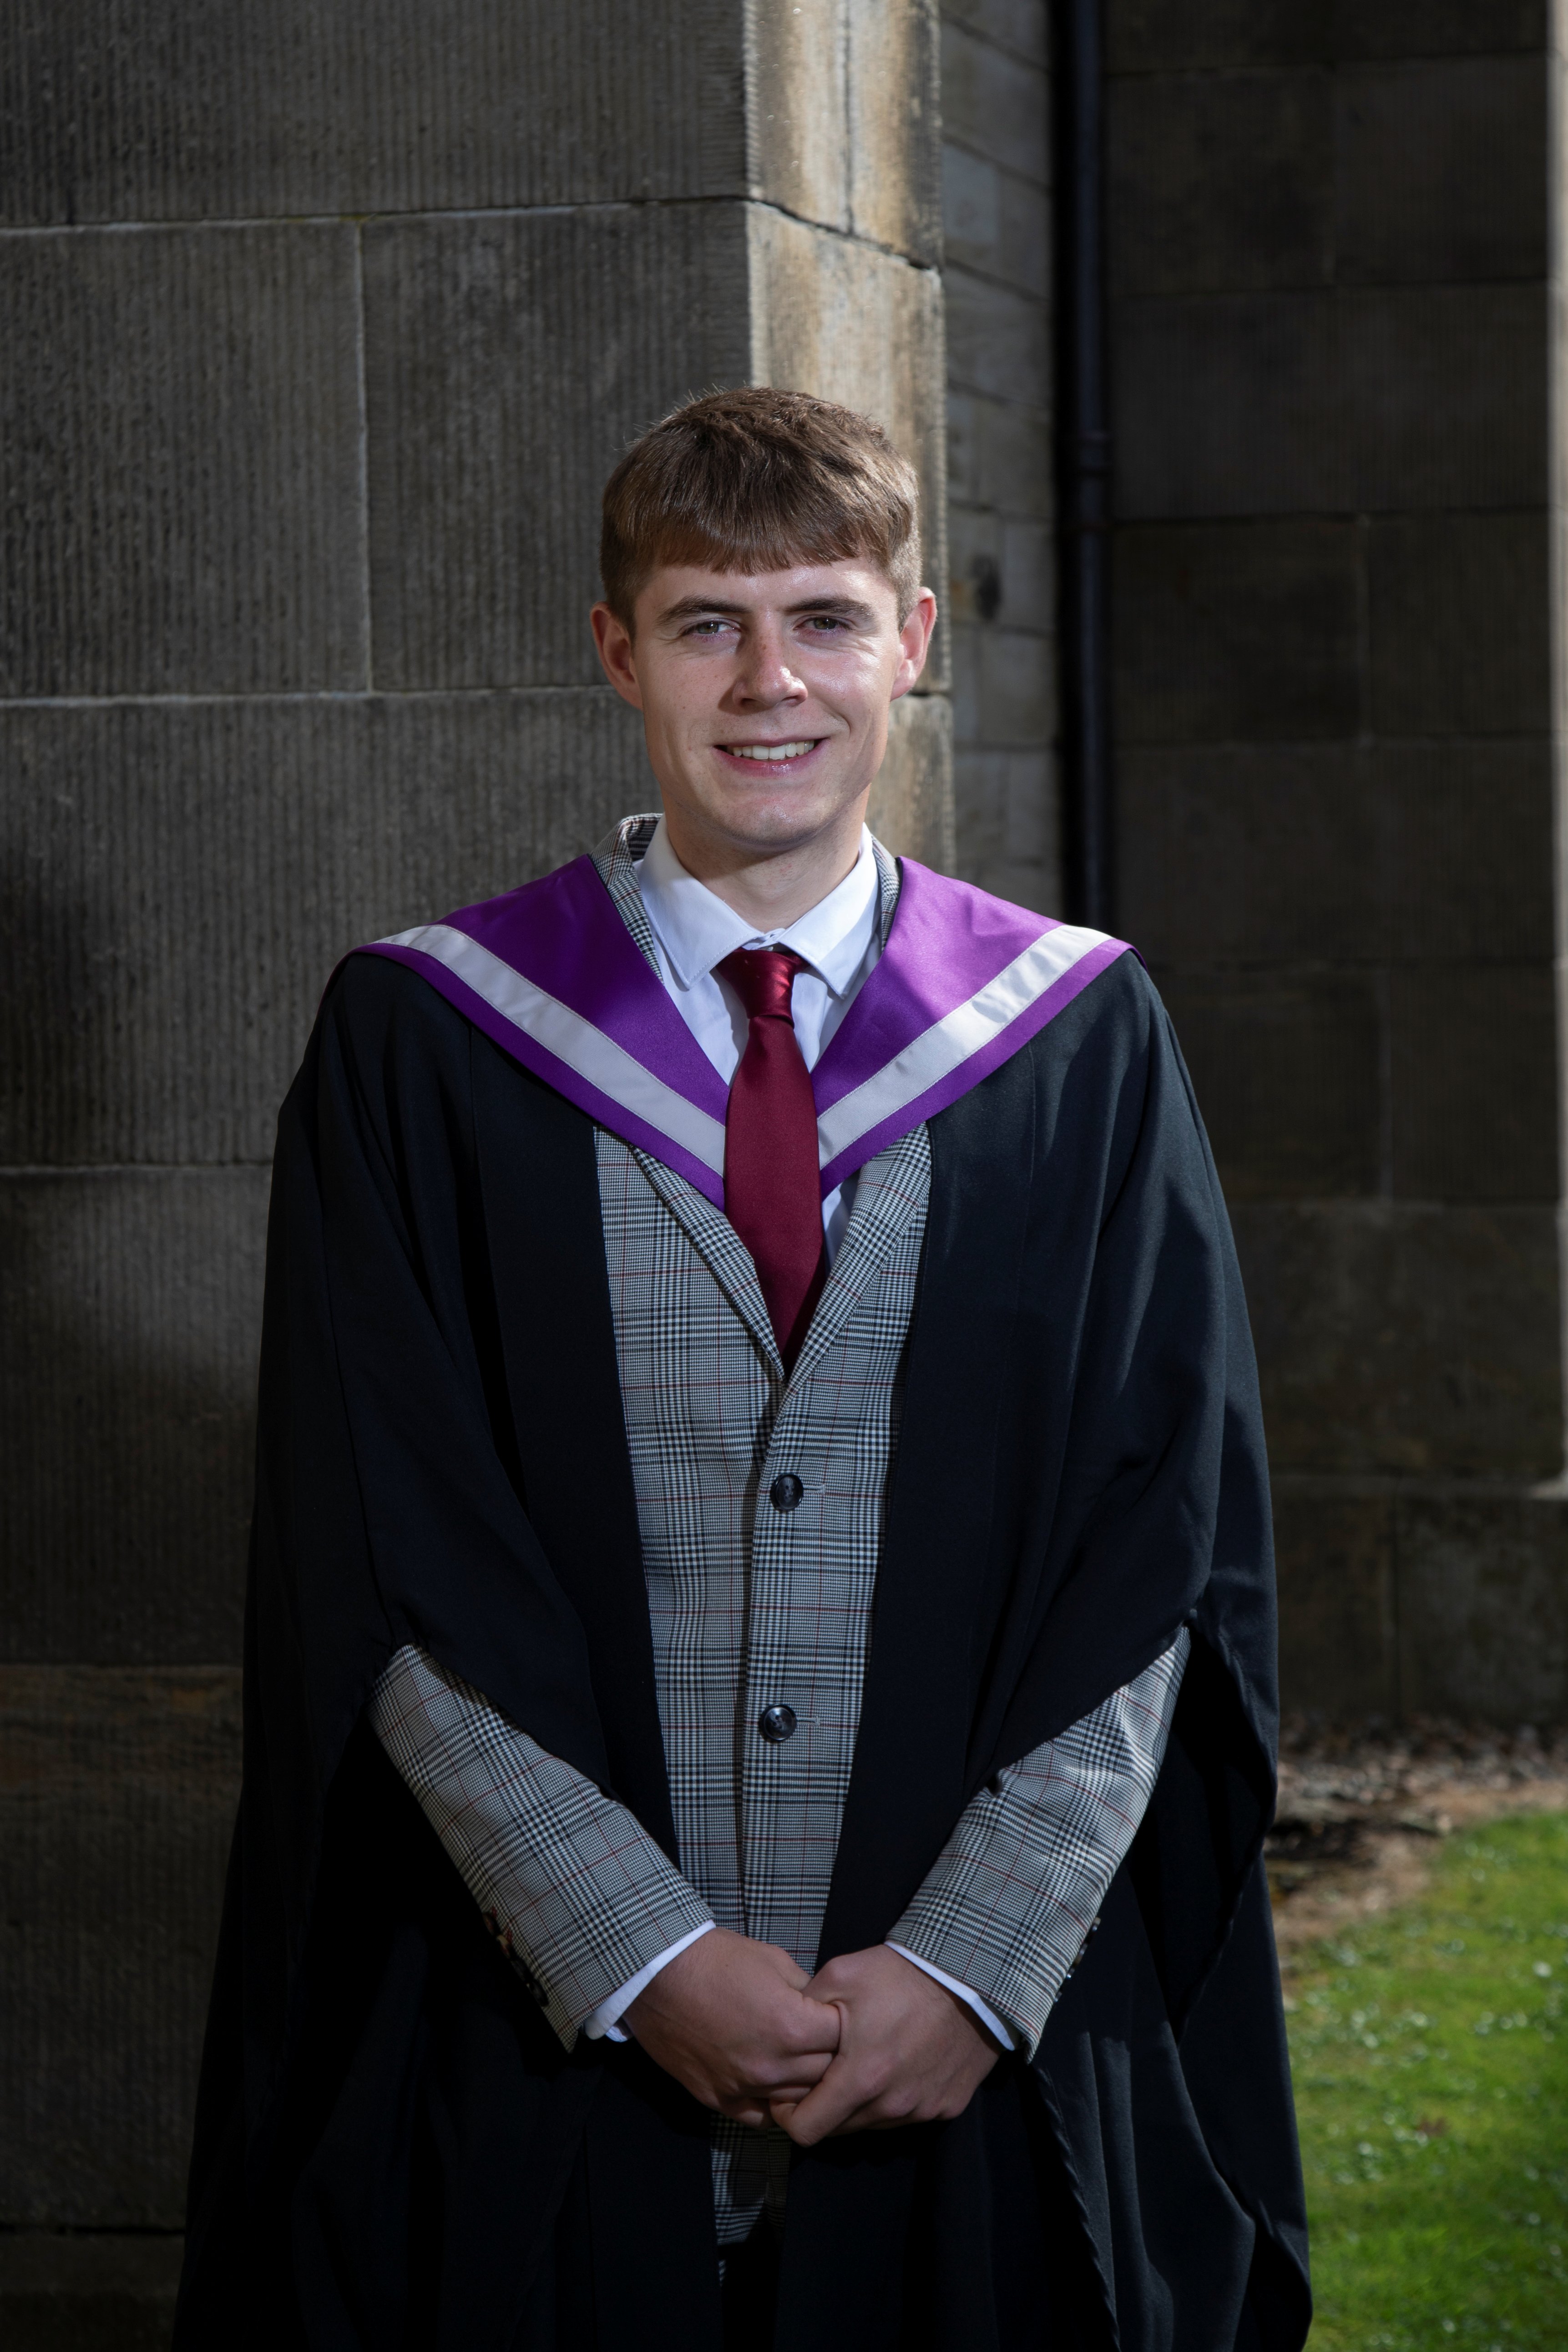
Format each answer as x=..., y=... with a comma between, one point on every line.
x=777, y=1723
x=785, y=1491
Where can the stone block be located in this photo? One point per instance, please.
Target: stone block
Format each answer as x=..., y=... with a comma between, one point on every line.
x=509, y=359
x=1028, y=575
x=143, y=111
x=998, y=340
x=1343, y=853
x=1000, y=456
x=1351, y=402
x=1154, y=36
x=132, y=1301
x=1245, y=853
x=1441, y=168
x=1415, y=1340
x=1473, y=1081
x=1220, y=182
x=1008, y=822
x=180, y=881
x=995, y=104
x=1458, y=624
x=1337, y=1632
x=1286, y=1067
x=1467, y=837
x=844, y=115
x=911, y=801
x=893, y=137
x=1021, y=26
x=1483, y=1606
x=1237, y=631
x=71, y=2292
x=996, y=222
x=181, y=460
x=117, y=1804
x=1016, y=686
x=851, y=323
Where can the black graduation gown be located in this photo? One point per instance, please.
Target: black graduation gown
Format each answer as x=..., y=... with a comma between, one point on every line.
x=392, y=2150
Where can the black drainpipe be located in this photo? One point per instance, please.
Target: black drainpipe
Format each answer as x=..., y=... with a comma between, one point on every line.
x=1083, y=458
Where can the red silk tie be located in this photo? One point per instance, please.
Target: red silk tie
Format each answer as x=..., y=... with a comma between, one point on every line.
x=773, y=1195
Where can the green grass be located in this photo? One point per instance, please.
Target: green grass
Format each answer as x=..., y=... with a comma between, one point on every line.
x=1430, y=2052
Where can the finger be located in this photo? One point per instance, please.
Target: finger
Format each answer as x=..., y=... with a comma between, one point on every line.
x=842, y=2093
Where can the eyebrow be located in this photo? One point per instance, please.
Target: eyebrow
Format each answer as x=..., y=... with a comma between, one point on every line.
x=696, y=608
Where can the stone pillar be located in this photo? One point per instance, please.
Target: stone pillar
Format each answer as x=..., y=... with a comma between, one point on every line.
x=323, y=325
x=1334, y=645
x=995, y=113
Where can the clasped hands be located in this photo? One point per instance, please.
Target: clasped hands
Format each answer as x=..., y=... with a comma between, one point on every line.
x=869, y=2042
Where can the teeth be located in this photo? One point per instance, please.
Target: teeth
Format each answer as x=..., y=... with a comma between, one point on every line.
x=768, y=750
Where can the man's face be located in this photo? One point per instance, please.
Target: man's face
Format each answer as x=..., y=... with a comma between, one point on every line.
x=765, y=696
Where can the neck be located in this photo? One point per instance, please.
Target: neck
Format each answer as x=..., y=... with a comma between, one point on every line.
x=771, y=887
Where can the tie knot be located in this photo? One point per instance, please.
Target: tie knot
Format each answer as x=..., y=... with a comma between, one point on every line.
x=762, y=978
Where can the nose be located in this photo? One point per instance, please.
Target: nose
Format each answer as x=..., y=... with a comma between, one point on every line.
x=763, y=678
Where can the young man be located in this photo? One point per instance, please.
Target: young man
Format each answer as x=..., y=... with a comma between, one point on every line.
x=761, y=1552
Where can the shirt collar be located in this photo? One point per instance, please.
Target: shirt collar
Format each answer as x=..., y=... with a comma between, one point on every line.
x=698, y=930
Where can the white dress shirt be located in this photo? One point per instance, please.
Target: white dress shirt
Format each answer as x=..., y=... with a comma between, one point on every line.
x=694, y=931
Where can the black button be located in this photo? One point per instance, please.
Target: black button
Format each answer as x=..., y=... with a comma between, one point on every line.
x=777, y=1723
x=785, y=1492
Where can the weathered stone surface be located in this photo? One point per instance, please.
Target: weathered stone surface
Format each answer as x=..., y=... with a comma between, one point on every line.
x=179, y=460
x=1338, y=1653
x=911, y=801
x=1237, y=631
x=147, y=110
x=509, y=360
x=1441, y=166
x=1220, y=182
x=180, y=882
x=1179, y=35
x=1458, y=622
x=844, y=118
x=1022, y=26
x=993, y=102
x=893, y=133
x=1286, y=1067
x=1337, y=851
x=1473, y=1082
x=995, y=222
x=998, y=340
x=1321, y=403
x=1392, y=1337
x=1007, y=832
x=131, y=1302
x=999, y=456
x=1483, y=1606
x=1249, y=851
x=75, y=2292
x=118, y=1790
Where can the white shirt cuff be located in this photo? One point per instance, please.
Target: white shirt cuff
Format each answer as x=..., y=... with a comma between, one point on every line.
x=988, y=2018
x=605, y=2023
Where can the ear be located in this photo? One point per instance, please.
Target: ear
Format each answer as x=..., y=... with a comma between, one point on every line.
x=914, y=642
x=617, y=652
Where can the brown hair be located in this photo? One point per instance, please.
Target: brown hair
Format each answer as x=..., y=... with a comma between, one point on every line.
x=757, y=481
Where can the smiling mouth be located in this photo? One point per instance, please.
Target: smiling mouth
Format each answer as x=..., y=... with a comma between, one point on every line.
x=770, y=753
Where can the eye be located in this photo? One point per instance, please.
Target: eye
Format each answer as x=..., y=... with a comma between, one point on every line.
x=826, y=622
x=706, y=629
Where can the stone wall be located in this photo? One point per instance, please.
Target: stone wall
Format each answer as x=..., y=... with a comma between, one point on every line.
x=323, y=325
x=996, y=217
x=1335, y=734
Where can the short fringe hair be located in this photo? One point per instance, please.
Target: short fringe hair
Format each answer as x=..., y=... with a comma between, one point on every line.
x=756, y=480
